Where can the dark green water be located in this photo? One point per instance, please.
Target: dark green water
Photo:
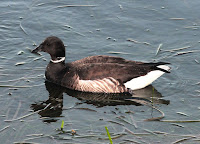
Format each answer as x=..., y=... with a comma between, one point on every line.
x=94, y=28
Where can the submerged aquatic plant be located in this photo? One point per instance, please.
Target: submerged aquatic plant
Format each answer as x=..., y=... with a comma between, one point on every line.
x=108, y=135
x=62, y=125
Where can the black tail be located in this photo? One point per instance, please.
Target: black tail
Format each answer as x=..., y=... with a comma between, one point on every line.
x=154, y=66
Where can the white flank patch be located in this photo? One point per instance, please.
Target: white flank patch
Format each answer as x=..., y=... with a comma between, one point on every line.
x=57, y=61
x=165, y=67
x=143, y=81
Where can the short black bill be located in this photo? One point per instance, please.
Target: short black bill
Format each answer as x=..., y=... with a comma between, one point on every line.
x=37, y=49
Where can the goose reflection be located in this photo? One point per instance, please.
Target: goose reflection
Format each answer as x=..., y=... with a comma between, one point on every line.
x=52, y=108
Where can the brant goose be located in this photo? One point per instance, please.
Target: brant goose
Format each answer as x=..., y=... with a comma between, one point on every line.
x=98, y=74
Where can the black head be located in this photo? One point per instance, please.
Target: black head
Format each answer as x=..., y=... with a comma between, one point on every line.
x=52, y=45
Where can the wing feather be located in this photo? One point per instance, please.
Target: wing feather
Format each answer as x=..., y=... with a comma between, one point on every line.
x=104, y=85
x=103, y=59
x=106, y=73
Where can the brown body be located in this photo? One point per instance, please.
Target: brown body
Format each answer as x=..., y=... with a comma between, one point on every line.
x=99, y=74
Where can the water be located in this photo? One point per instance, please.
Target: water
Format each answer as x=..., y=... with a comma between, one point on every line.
x=99, y=27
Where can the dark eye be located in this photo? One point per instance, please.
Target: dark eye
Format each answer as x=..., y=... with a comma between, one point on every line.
x=48, y=44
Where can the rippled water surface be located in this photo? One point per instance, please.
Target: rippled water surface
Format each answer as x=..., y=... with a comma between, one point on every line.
x=32, y=110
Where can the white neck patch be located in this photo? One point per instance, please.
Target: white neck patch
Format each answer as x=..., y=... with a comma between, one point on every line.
x=60, y=59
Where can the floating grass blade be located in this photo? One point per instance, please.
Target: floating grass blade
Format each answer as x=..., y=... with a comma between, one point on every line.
x=180, y=121
x=109, y=135
x=20, y=63
x=11, y=86
x=28, y=114
x=4, y=128
x=62, y=125
x=76, y=6
x=152, y=95
x=158, y=49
